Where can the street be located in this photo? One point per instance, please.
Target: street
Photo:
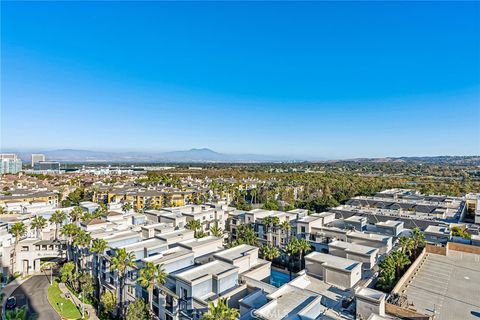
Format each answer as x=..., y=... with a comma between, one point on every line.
x=34, y=290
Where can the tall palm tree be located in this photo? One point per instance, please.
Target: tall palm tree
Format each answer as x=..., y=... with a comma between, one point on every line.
x=82, y=240
x=150, y=276
x=57, y=217
x=221, y=311
x=76, y=214
x=194, y=225
x=418, y=239
x=120, y=263
x=38, y=224
x=69, y=230
x=253, y=193
x=98, y=246
x=291, y=249
x=406, y=245
x=400, y=260
x=18, y=230
x=303, y=248
x=285, y=225
x=3, y=210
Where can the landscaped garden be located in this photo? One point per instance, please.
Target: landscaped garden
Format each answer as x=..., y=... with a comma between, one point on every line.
x=64, y=307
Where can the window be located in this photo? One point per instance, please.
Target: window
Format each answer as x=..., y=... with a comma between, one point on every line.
x=25, y=248
x=184, y=293
x=303, y=229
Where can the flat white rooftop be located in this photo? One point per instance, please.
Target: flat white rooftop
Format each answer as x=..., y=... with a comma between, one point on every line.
x=212, y=269
x=332, y=261
x=168, y=255
x=236, y=252
x=195, y=243
x=354, y=248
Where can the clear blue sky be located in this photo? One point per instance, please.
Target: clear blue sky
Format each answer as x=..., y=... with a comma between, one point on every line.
x=322, y=79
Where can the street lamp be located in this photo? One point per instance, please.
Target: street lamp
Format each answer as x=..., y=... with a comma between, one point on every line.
x=82, y=296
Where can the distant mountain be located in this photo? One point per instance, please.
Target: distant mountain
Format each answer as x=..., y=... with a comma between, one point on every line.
x=192, y=155
x=443, y=160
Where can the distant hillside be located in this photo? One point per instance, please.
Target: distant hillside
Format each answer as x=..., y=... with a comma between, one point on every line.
x=193, y=155
x=457, y=160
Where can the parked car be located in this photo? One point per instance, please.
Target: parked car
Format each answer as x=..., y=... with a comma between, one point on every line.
x=11, y=303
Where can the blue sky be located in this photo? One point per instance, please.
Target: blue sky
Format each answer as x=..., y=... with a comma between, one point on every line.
x=332, y=80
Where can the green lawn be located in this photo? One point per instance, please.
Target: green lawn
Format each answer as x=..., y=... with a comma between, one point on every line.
x=68, y=310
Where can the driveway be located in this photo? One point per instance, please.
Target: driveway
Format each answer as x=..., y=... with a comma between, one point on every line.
x=34, y=290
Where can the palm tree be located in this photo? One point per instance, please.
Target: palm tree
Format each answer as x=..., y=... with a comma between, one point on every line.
x=48, y=265
x=120, y=263
x=3, y=210
x=18, y=229
x=57, y=217
x=82, y=240
x=221, y=311
x=285, y=225
x=38, y=224
x=291, y=249
x=418, y=240
x=98, y=246
x=269, y=252
x=400, y=260
x=149, y=276
x=17, y=313
x=126, y=207
x=406, y=245
x=303, y=247
x=69, y=230
x=76, y=214
x=253, y=193
x=194, y=225
x=216, y=231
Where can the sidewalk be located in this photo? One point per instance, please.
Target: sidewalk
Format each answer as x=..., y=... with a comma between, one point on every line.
x=89, y=309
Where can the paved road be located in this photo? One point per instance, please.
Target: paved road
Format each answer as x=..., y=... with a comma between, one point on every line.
x=35, y=291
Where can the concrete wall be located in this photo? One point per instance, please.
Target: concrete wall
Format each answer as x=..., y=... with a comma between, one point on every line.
x=405, y=313
x=463, y=248
x=409, y=272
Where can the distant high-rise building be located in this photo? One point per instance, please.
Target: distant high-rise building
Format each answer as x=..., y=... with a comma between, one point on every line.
x=8, y=156
x=37, y=157
x=9, y=163
x=47, y=166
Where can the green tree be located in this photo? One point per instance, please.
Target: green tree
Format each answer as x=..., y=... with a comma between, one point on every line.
x=66, y=273
x=76, y=214
x=38, y=224
x=137, y=310
x=126, y=207
x=245, y=235
x=406, y=245
x=57, y=217
x=216, y=231
x=108, y=302
x=419, y=242
x=291, y=249
x=98, y=247
x=221, y=311
x=69, y=230
x=269, y=252
x=17, y=314
x=286, y=227
x=270, y=205
x=120, y=263
x=303, y=248
x=194, y=225
x=150, y=276
x=82, y=241
x=18, y=230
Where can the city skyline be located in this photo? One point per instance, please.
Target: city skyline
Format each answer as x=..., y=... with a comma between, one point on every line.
x=316, y=80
